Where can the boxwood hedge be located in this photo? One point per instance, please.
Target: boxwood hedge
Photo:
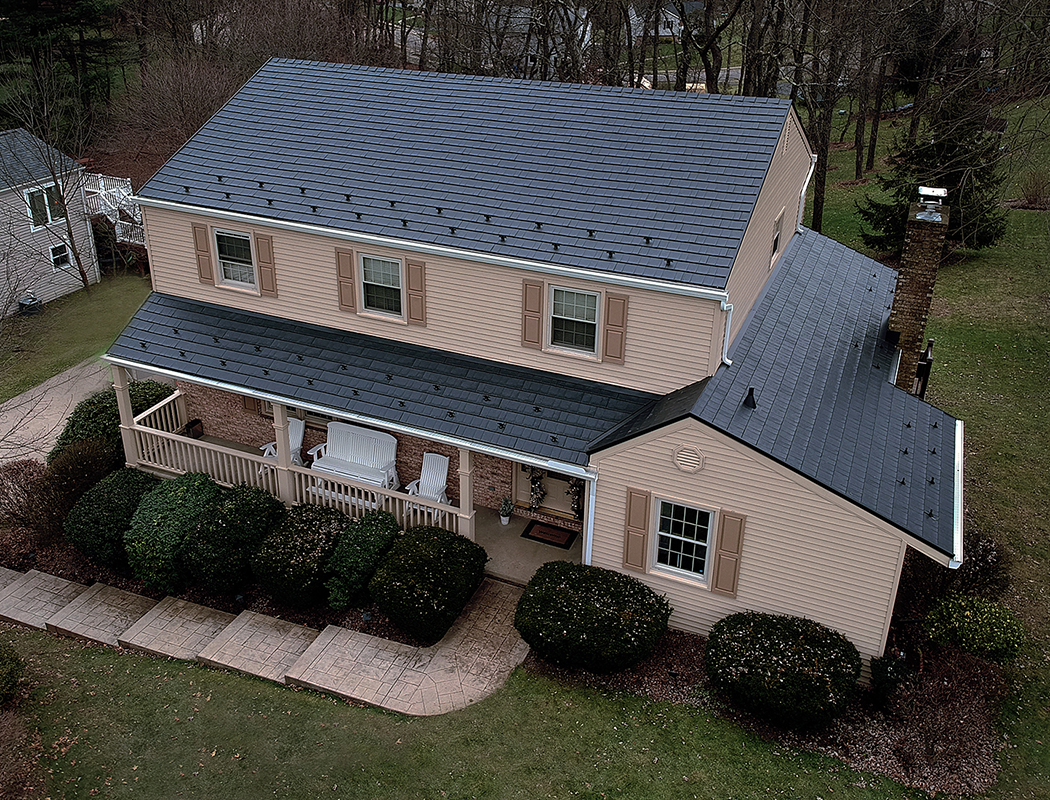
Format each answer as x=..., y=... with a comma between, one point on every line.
x=292, y=561
x=217, y=552
x=590, y=618
x=357, y=556
x=791, y=671
x=426, y=580
x=102, y=517
x=159, y=528
x=977, y=625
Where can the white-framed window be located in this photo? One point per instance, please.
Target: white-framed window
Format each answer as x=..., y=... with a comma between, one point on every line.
x=236, y=265
x=573, y=320
x=778, y=238
x=683, y=540
x=381, y=285
x=59, y=257
x=45, y=205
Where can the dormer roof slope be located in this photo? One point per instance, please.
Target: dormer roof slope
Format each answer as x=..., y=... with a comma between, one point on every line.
x=650, y=184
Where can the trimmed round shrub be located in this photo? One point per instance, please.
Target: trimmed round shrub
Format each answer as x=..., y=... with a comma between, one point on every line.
x=11, y=669
x=100, y=520
x=590, y=618
x=97, y=416
x=159, y=528
x=357, y=556
x=290, y=565
x=425, y=581
x=791, y=671
x=977, y=625
x=217, y=552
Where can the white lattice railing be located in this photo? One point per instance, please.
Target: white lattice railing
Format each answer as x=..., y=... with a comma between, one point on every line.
x=178, y=454
x=164, y=416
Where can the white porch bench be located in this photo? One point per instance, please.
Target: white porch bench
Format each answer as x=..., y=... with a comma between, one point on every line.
x=359, y=454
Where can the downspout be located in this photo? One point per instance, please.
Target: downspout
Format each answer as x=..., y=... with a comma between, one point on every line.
x=727, y=307
x=588, y=534
x=805, y=188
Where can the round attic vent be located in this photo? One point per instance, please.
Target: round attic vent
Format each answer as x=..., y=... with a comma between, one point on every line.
x=688, y=458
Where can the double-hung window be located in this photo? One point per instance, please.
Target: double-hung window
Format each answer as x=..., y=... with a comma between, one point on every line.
x=574, y=320
x=45, y=205
x=59, y=257
x=236, y=266
x=381, y=285
x=683, y=536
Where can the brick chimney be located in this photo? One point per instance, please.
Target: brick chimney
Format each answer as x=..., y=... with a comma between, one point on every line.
x=923, y=247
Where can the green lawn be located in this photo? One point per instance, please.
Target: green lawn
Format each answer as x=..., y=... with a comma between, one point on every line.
x=71, y=329
x=135, y=726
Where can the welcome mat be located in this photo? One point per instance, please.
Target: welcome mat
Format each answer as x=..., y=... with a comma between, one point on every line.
x=549, y=534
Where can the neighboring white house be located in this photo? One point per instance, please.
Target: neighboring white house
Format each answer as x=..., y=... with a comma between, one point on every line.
x=39, y=188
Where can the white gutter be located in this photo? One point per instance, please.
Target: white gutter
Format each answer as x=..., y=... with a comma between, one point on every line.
x=957, y=543
x=805, y=188
x=497, y=452
x=588, y=534
x=615, y=279
x=728, y=309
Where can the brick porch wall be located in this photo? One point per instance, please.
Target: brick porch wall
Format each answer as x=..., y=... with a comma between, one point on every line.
x=224, y=416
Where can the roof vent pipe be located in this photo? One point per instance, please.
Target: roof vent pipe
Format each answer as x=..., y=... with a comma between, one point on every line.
x=749, y=401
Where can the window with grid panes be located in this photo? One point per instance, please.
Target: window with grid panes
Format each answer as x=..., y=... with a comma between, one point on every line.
x=381, y=284
x=682, y=537
x=235, y=257
x=574, y=320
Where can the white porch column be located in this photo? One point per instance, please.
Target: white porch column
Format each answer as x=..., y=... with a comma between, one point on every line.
x=285, y=484
x=127, y=416
x=466, y=493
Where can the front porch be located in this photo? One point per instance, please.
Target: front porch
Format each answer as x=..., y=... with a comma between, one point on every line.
x=157, y=441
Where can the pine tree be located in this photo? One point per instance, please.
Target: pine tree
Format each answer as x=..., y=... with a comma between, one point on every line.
x=953, y=152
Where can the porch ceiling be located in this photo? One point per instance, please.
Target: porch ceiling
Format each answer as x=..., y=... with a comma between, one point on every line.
x=395, y=385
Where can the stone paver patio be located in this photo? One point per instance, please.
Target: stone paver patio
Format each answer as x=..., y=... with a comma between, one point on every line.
x=471, y=662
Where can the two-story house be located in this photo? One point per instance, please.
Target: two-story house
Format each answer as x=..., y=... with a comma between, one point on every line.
x=597, y=301
x=44, y=222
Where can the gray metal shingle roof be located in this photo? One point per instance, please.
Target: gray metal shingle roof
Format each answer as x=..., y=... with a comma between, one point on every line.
x=536, y=413
x=25, y=159
x=548, y=163
x=815, y=351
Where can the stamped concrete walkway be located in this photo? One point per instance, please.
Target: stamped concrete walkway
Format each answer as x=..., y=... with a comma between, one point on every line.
x=471, y=662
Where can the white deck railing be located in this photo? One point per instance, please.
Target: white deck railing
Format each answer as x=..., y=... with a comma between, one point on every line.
x=161, y=448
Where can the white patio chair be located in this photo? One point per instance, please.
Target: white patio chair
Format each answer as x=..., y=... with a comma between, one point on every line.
x=296, y=429
x=433, y=479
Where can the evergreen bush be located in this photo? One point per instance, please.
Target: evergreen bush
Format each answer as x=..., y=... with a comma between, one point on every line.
x=590, y=618
x=425, y=581
x=11, y=669
x=81, y=465
x=165, y=517
x=291, y=563
x=357, y=556
x=101, y=518
x=218, y=551
x=97, y=416
x=791, y=671
x=977, y=625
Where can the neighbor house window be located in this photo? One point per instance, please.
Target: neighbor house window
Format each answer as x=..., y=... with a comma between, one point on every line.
x=59, y=257
x=45, y=205
x=381, y=284
x=574, y=320
x=235, y=258
x=683, y=534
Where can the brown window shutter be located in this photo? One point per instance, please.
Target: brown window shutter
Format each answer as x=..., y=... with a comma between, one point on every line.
x=416, y=292
x=344, y=260
x=264, y=262
x=636, y=530
x=730, y=545
x=251, y=404
x=202, y=247
x=532, y=314
x=614, y=328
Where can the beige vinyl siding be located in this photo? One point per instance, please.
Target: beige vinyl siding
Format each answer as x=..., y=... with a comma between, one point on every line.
x=471, y=308
x=781, y=193
x=27, y=263
x=805, y=552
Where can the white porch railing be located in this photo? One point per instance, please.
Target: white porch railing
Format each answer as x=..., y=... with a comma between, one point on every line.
x=161, y=448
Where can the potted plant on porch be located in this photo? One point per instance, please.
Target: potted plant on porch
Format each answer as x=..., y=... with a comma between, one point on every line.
x=506, y=507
